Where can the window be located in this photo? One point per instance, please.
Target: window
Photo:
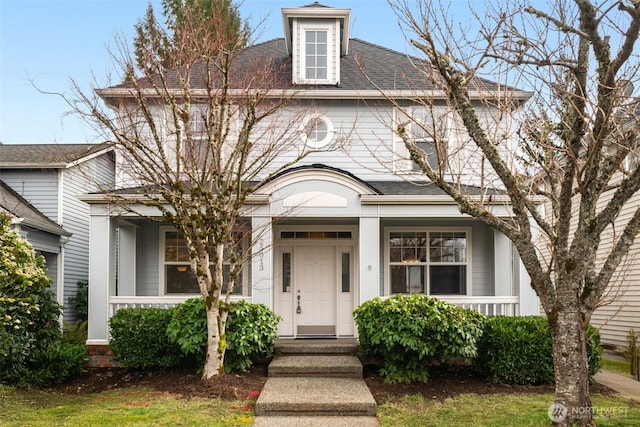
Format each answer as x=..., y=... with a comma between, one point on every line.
x=632, y=161
x=286, y=272
x=345, y=271
x=178, y=276
x=198, y=143
x=316, y=131
x=428, y=262
x=421, y=129
x=316, y=57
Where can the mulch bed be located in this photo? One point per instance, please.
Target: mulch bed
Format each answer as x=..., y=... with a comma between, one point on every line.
x=445, y=382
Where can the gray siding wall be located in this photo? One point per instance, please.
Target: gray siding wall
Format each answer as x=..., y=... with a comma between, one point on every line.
x=482, y=261
x=89, y=176
x=148, y=259
x=38, y=186
x=51, y=261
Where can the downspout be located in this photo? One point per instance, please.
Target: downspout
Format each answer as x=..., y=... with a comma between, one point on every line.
x=63, y=242
x=60, y=276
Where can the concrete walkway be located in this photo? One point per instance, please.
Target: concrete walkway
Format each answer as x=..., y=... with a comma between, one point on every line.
x=315, y=383
x=627, y=387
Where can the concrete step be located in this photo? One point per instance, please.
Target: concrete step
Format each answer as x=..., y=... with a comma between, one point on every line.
x=341, y=365
x=316, y=346
x=288, y=396
x=315, y=422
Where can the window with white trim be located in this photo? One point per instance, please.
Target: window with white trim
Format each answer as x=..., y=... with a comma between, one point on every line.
x=316, y=131
x=422, y=129
x=430, y=262
x=178, y=277
x=198, y=132
x=316, y=55
x=317, y=59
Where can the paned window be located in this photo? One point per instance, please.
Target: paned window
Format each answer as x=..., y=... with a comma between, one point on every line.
x=316, y=55
x=178, y=275
x=428, y=262
x=316, y=131
x=421, y=129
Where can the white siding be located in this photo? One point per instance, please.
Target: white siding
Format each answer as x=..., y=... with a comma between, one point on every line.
x=364, y=142
x=622, y=311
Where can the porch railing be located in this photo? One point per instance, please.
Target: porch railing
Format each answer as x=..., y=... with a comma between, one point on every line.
x=116, y=303
x=488, y=305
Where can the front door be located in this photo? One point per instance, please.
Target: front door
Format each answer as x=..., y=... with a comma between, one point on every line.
x=315, y=290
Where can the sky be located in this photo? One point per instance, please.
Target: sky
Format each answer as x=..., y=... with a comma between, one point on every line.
x=44, y=44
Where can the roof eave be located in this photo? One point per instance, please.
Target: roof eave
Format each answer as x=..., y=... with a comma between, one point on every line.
x=301, y=93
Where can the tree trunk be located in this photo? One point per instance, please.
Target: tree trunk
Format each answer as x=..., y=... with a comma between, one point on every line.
x=216, y=344
x=572, y=401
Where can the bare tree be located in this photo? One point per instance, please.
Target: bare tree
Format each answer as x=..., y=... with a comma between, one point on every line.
x=566, y=161
x=197, y=128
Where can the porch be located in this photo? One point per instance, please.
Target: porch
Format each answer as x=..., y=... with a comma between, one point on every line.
x=487, y=305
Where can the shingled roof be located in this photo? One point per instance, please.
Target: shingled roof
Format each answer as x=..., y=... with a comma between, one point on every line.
x=388, y=69
x=46, y=156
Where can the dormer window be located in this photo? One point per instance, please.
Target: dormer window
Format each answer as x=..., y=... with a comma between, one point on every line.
x=316, y=55
x=316, y=36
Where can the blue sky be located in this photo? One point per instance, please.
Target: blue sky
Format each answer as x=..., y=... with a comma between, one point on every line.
x=50, y=42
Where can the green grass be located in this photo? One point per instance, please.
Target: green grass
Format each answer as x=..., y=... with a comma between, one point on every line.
x=497, y=410
x=621, y=367
x=145, y=407
x=130, y=407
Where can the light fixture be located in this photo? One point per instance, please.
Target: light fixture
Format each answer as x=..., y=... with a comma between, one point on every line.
x=181, y=268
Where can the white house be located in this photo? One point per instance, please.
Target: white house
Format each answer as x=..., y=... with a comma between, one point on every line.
x=340, y=227
x=41, y=185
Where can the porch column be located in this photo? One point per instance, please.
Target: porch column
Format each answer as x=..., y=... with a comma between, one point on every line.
x=101, y=277
x=502, y=270
x=529, y=302
x=127, y=256
x=369, y=250
x=262, y=261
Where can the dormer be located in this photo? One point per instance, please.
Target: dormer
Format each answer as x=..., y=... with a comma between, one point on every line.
x=316, y=36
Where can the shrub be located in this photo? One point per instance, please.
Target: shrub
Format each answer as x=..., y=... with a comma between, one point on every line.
x=60, y=361
x=518, y=350
x=407, y=332
x=250, y=332
x=139, y=338
x=80, y=300
x=188, y=328
x=28, y=309
x=75, y=333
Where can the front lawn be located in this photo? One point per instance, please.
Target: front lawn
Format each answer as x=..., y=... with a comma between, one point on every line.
x=119, y=407
x=520, y=410
x=138, y=406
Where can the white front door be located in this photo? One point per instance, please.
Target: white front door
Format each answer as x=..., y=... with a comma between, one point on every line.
x=315, y=290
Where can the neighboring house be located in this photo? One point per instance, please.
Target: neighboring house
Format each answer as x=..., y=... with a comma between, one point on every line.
x=40, y=185
x=356, y=227
x=47, y=237
x=620, y=312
